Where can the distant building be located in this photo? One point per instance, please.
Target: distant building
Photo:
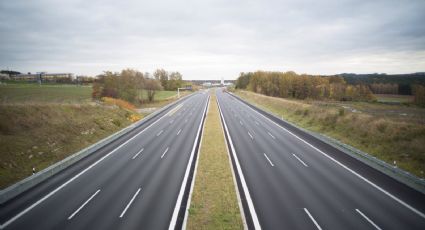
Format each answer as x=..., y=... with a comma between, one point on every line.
x=202, y=82
x=4, y=76
x=207, y=84
x=45, y=77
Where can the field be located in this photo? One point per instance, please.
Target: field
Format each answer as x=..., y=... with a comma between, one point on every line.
x=391, y=98
x=161, y=95
x=391, y=132
x=33, y=93
x=214, y=203
x=40, y=125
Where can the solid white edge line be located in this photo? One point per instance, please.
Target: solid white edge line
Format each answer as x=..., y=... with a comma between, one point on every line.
x=76, y=176
x=235, y=183
x=302, y=162
x=268, y=159
x=137, y=154
x=179, y=132
x=368, y=220
x=192, y=185
x=84, y=204
x=312, y=219
x=129, y=203
x=186, y=175
x=241, y=176
x=166, y=150
x=347, y=168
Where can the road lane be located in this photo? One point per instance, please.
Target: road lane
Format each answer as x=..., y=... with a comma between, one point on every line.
x=118, y=176
x=282, y=193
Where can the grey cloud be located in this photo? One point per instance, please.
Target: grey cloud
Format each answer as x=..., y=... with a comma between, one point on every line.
x=213, y=39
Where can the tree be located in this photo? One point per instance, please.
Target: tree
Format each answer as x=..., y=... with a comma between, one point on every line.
x=131, y=85
x=243, y=80
x=175, y=81
x=419, y=93
x=162, y=76
x=151, y=86
x=292, y=85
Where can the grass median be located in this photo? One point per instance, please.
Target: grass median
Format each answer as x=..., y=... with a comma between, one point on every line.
x=214, y=202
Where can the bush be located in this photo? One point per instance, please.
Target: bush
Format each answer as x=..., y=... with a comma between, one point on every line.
x=118, y=102
x=134, y=117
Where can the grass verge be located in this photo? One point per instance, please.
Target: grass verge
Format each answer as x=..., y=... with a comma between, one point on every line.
x=388, y=132
x=41, y=125
x=40, y=135
x=214, y=202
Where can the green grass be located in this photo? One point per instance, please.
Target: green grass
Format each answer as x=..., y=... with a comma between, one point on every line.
x=214, y=201
x=388, y=132
x=40, y=125
x=33, y=93
x=392, y=98
x=50, y=93
x=40, y=135
x=160, y=95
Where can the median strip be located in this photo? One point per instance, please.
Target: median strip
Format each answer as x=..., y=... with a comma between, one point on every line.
x=214, y=202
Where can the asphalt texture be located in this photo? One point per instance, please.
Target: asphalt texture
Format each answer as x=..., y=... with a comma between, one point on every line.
x=295, y=181
x=132, y=183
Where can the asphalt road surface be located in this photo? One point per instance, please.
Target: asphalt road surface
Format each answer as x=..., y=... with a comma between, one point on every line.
x=136, y=182
x=293, y=181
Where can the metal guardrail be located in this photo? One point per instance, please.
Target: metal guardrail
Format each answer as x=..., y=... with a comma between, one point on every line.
x=31, y=181
x=380, y=165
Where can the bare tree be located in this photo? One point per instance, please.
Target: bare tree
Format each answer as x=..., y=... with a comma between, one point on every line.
x=151, y=86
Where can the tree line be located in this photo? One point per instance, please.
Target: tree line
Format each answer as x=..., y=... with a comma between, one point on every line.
x=292, y=85
x=405, y=82
x=129, y=84
x=169, y=81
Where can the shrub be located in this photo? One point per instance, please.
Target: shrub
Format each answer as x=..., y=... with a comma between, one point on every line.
x=134, y=117
x=118, y=102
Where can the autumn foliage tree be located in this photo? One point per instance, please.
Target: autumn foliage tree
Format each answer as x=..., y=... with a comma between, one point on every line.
x=151, y=86
x=292, y=85
x=419, y=94
x=126, y=85
x=169, y=81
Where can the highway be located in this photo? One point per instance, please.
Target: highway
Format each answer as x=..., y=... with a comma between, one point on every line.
x=290, y=180
x=138, y=181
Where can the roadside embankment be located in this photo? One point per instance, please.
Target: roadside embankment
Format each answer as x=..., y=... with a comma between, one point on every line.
x=392, y=133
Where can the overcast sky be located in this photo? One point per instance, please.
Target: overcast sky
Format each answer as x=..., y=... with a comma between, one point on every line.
x=213, y=39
